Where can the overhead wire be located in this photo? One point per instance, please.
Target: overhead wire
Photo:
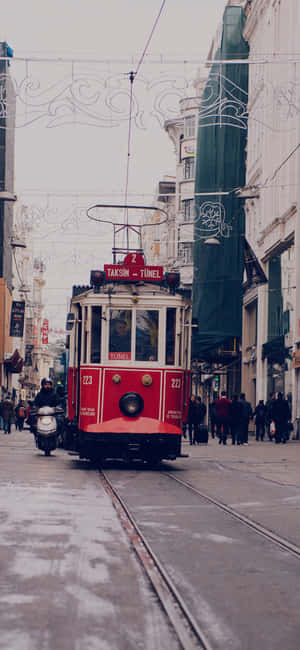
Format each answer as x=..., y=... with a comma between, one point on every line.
x=159, y=59
x=132, y=77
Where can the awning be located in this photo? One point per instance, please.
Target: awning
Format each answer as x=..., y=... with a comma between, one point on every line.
x=275, y=350
x=15, y=363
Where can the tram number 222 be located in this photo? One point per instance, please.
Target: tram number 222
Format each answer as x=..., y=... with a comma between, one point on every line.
x=176, y=383
x=87, y=379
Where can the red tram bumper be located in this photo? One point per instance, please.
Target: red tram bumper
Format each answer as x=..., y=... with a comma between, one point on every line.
x=138, y=438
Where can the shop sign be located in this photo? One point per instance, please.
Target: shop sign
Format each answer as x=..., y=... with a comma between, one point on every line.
x=188, y=150
x=28, y=355
x=45, y=331
x=17, y=318
x=296, y=359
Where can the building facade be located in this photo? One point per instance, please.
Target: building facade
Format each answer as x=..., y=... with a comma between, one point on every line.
x=183, y=133
x=271, y=312
x=7, y=198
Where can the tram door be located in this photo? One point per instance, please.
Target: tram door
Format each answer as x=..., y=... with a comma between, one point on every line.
x=75, y=359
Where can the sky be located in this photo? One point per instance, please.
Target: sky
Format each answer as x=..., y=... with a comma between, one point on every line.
x=71, y=67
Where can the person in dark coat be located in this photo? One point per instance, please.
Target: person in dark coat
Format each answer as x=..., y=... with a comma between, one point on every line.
x=61, y=396
x=223, y=418
x=260, y=414
x=269, y=413
x=46, y=396
x=235, y=415
x=212, y=417
x=246, y=417
x=200, y=415
x=7, y=413
x=20, y=412
x=192, y=418
x=281, y=416
x=1, y=418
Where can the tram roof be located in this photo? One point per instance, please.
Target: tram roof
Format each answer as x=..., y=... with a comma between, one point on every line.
x=126, y=290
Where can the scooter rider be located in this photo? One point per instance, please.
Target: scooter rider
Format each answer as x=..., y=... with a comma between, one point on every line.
x=46, y=396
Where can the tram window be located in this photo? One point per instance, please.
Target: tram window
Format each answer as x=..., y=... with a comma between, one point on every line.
x=96, y=335
x=120, y=334
x=170, y=336
x=146, y=346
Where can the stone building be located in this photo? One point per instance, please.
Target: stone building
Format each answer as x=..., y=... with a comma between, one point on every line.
x=271, y=318
x=7, y=198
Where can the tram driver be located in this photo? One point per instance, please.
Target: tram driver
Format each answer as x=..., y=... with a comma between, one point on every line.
x=120, y=336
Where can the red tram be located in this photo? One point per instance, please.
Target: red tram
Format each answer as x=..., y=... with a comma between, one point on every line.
x=129, y=352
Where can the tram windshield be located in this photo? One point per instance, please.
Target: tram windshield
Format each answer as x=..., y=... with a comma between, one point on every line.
x=120, y=334
x=146, y=345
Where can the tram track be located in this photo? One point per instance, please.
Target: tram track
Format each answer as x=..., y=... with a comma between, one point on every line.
x=250, y=523
x=186, y=628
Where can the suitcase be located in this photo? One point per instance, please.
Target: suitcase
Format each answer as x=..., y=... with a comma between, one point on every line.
x=202, y=434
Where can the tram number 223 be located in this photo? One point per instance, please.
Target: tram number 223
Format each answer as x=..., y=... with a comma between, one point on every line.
x=87, y=379
x=176, y=383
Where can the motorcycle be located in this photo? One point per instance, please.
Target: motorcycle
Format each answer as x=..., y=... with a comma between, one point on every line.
x=46, y=429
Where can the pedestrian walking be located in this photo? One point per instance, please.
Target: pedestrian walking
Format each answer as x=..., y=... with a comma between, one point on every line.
x=269, y=414
x=235, y=415
x=260, y=414
x=246, y=417
x=200, y=430
x=223, y=418
x=281, y=416
x=20, y=413
x=212, y=417
x=192, y=418
x=1, y=418
x=7, y=413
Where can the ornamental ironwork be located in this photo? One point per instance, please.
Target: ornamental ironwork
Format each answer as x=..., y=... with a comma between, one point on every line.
x=211, y=221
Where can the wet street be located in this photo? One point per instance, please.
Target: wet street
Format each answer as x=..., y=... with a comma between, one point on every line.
x=70, y=577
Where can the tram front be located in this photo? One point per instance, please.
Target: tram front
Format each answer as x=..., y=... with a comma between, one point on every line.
x=129, y=360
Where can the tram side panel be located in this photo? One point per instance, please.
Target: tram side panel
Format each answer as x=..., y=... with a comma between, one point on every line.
x=90, y=395
x=174, y=397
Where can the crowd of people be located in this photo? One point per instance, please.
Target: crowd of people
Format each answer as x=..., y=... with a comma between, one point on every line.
x=231, y=417
x=11, y=413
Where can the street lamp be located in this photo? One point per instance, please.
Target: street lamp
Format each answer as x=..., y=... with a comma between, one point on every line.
x=7, y=196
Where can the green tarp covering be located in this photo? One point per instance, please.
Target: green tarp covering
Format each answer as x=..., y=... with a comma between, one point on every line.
x=220, y=167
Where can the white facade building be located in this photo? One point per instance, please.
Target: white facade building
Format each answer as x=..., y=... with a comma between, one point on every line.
x=158, y=232
x=171, y=244
x=271, y=331
x=183, y=133
x=29, y=281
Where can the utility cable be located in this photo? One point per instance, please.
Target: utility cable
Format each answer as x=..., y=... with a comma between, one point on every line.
x=150, y=37
x=132, y=77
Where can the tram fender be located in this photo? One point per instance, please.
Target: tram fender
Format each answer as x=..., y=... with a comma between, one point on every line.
x=141, y=425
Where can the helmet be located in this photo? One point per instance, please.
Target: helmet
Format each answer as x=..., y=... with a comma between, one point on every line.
x=46, y=381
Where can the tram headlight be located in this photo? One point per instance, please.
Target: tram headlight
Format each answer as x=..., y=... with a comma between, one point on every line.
x=146, y=380
x=131, y=404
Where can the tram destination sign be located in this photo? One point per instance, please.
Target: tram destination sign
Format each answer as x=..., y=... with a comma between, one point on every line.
x=133, y=272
